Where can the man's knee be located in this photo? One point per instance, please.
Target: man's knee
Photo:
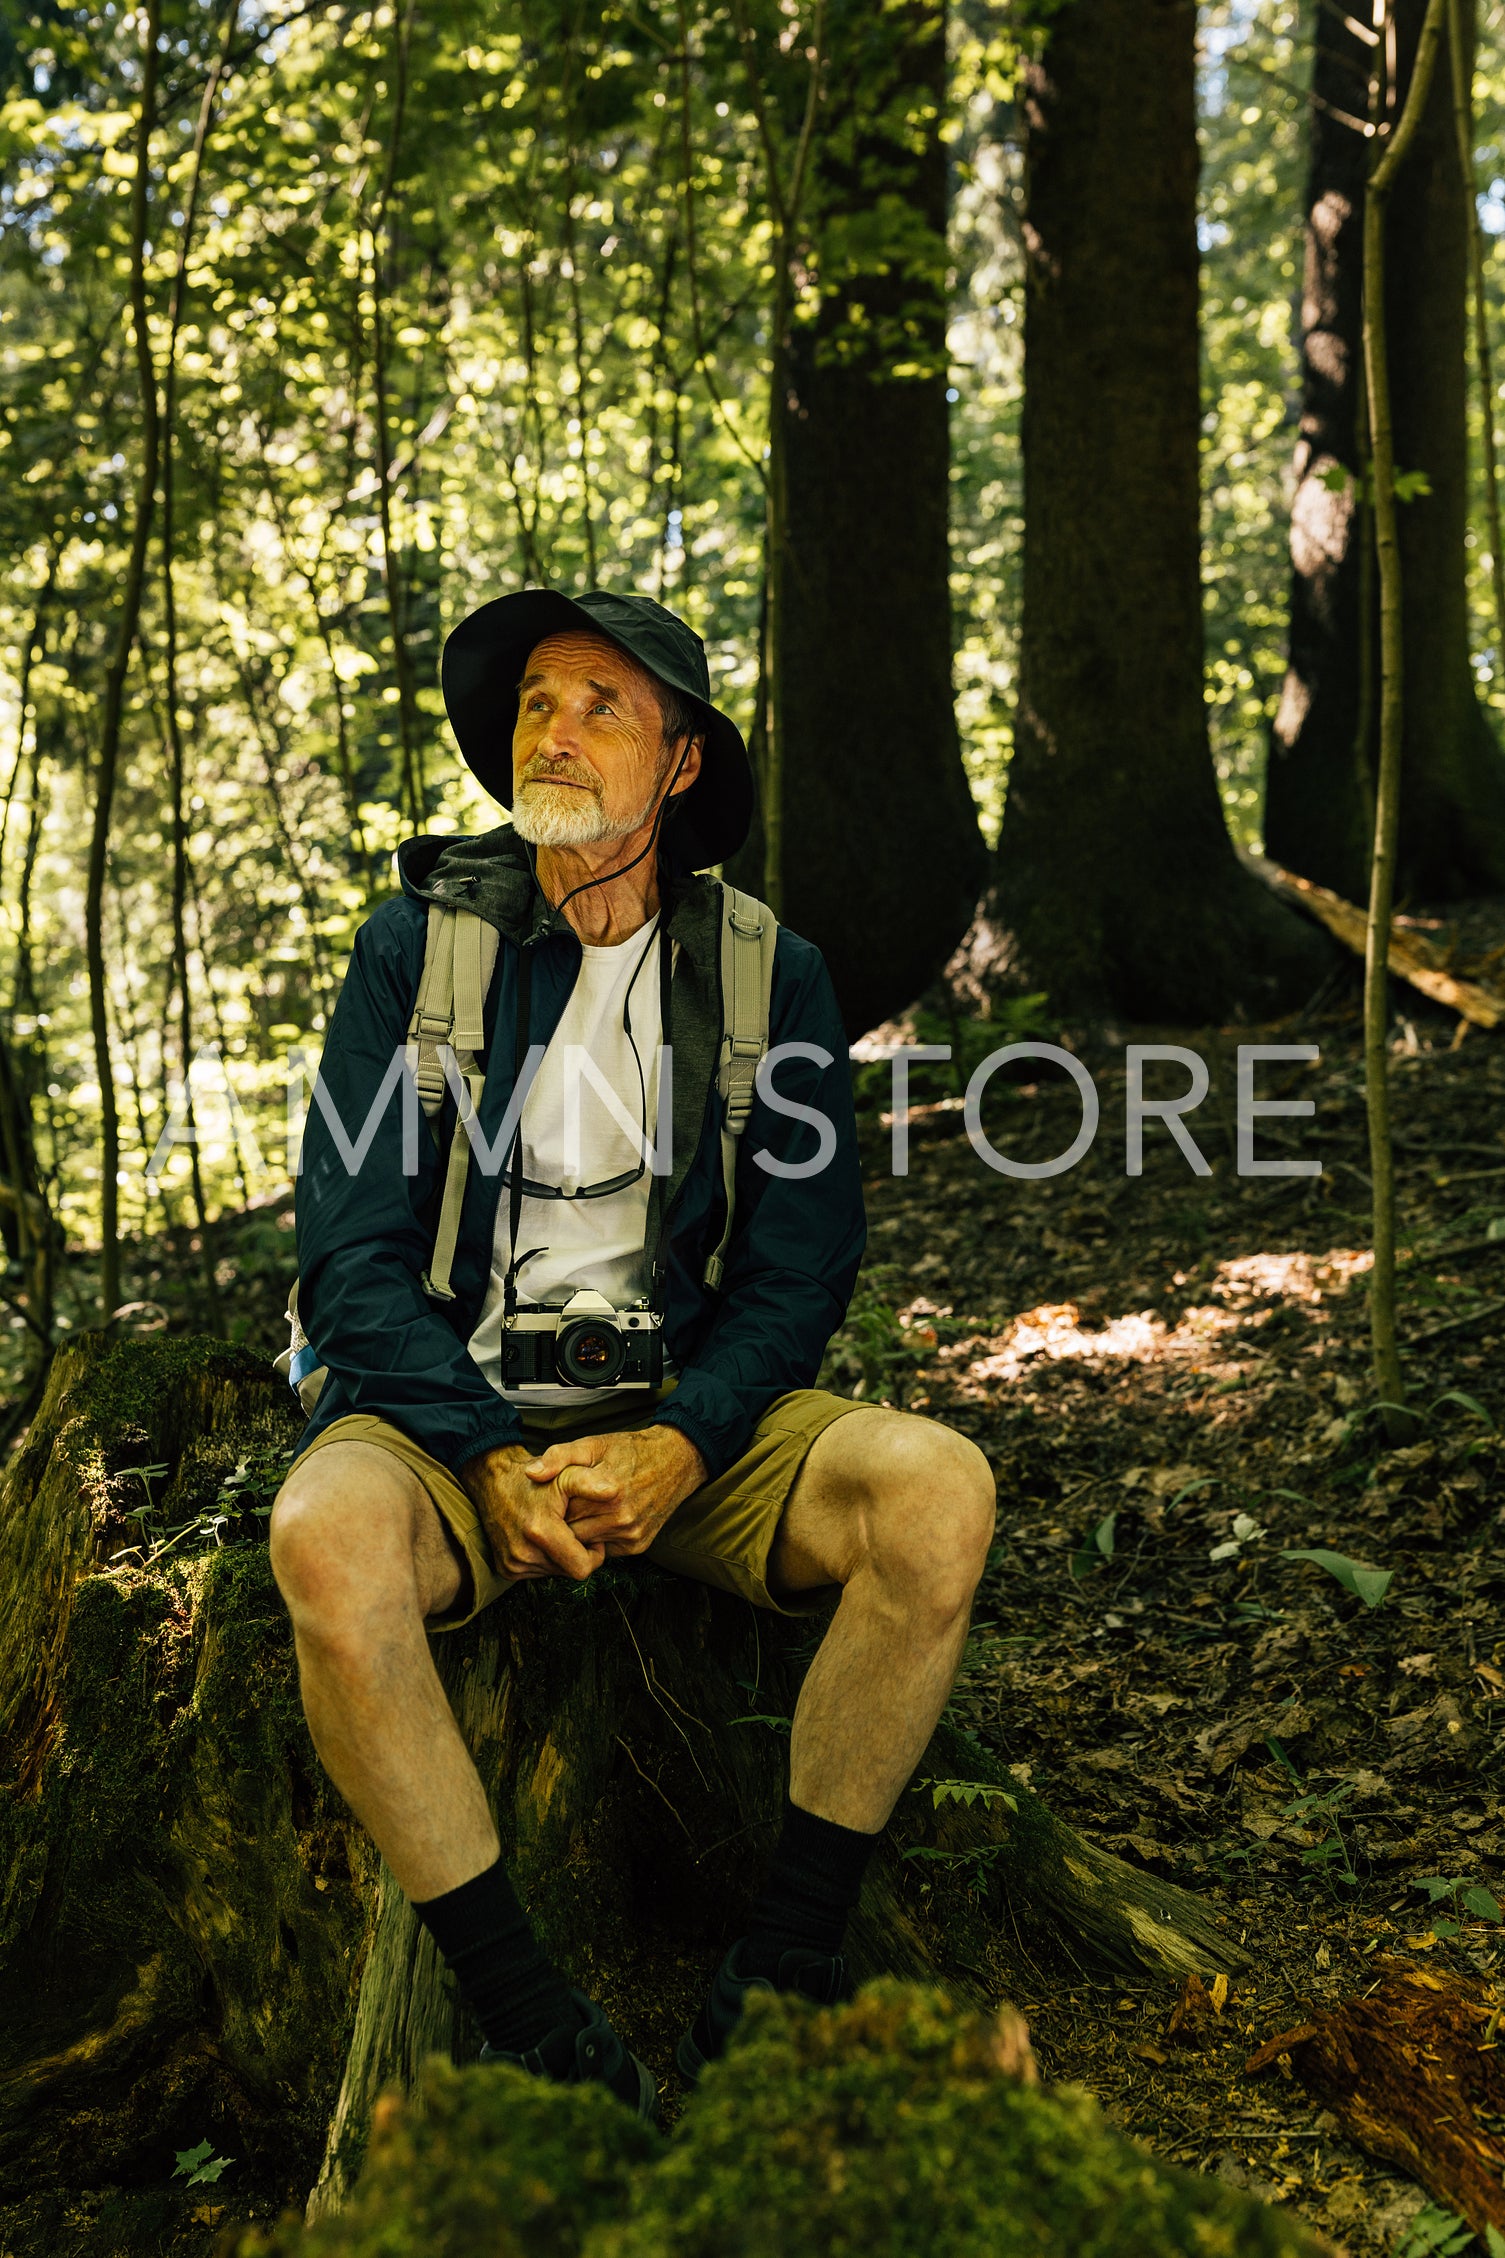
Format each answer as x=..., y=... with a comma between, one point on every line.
x=930, y=1513
x=342, y=1539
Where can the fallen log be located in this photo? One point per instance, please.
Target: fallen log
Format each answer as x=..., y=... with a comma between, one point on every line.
x=1413, y=957
x=1411, y=2073
x=196, y=1941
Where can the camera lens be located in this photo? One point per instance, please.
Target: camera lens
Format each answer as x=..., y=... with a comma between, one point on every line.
x=589, y=1354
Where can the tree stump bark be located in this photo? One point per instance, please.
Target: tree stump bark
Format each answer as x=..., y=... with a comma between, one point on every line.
x=198, y=1942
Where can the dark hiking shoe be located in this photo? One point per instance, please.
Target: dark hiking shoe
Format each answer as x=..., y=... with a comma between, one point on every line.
x=588, y=2052
x=818, y=1976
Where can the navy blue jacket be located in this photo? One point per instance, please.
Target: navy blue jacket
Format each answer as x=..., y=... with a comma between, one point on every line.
x=364, y=1239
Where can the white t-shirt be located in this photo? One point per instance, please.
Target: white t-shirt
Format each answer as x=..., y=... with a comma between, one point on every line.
x=596, y=1242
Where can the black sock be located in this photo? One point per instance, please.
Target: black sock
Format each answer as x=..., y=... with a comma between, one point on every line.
x=812, y=1883
x=515, y=1993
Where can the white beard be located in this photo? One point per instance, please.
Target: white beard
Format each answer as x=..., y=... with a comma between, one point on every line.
x=561, y=815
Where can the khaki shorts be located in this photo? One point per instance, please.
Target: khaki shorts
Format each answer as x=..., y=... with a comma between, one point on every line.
x=721, y=1535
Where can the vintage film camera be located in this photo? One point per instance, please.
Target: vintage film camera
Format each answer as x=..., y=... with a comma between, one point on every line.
x=587, y=1344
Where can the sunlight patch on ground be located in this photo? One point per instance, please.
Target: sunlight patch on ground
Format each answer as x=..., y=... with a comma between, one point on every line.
x=1056, y=1331
x=1297, y=1277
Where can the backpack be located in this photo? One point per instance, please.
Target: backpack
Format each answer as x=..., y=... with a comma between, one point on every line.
x=459, y=959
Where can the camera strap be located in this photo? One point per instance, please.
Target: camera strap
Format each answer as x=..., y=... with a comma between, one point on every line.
x=517, y=1181
x=515, y=1261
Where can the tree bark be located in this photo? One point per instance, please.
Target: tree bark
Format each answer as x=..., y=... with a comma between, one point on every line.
x=179, y=1890
x=1117, y=881
x=220, y=1955
x=1324, y=741
x=879, y=857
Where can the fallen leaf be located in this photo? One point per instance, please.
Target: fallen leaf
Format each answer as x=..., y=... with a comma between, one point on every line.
x=1192, y=2011
x=1493, y=1678
x=1148, y=2052
x=1219, y=1993
x=1273, y=2048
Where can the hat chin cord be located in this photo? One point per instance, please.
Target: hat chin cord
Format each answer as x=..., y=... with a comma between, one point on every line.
x=609, y=876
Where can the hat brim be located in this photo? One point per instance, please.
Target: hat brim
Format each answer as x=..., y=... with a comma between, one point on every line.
x=483, y=664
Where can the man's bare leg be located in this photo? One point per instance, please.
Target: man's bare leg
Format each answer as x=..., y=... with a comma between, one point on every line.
x=899, y=1512
x=362, y=1560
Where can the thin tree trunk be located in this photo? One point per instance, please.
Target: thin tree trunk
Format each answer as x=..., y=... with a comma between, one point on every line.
x=24, y=985
x=170, y=653
x=383, y=275
x=577, y=309
x=114, y=700
x=786, y=203
x=23, y=687
x=36, y=1228
x=1387, y=1370
x=243, y=1168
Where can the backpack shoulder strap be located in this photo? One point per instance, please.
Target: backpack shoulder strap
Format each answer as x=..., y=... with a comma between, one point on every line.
x=433, y=1009
x=749, y=933
x=459, y=959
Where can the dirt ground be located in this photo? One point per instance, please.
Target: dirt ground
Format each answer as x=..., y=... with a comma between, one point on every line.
x=1170, y=1374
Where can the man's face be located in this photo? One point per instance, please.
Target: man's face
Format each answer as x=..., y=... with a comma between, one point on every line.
x=588, y=751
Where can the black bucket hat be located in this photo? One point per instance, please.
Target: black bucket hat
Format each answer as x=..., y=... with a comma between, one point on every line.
x=484, y=661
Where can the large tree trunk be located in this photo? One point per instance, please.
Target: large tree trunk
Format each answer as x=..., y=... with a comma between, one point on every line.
x=1117, y=880
x=879, y=857
x=199, y=1944
x=1318, y=801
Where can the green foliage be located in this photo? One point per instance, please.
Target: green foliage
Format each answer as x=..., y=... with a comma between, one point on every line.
x=1464, y=1895
x=1096, y=1550
x=1407, y=485
x=768, y=1718
x=1016, y=1019
x=242, y=1506
x=520, y=336
x=886, y=2129
x=1467, y=1402
x=1329, y=1855
x=967, y=1793
x=200, y=2166
x=876, y=1350
x=1434, y=2229
x=1356, y=1576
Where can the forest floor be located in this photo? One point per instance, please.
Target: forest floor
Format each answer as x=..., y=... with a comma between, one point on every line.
x=1170, y=1374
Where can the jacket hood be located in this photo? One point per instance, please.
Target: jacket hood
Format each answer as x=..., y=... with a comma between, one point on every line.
x=493, y=875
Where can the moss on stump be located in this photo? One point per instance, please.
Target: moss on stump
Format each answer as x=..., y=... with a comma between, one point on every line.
x=887, y=2129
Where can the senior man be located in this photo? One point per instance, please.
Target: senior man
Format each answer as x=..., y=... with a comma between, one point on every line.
x=428, y=1484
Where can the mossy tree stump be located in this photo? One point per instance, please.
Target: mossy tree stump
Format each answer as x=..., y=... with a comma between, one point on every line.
x=198, y=1942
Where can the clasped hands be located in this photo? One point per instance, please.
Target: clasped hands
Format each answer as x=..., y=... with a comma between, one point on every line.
x=562, y=1511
